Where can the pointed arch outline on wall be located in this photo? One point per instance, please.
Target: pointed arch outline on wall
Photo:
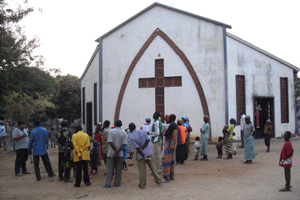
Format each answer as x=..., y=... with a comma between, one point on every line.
x=182, y=56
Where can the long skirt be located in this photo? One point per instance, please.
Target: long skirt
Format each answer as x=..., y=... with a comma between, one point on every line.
x=168, y=161
x=249, y=148
x=187, y=144
x=204, y=143
x=228, y=146
x=181, y=153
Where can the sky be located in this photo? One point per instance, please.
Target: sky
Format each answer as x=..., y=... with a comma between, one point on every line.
x=67, y=29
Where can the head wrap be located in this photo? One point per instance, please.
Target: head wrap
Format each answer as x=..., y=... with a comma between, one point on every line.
x=248, y=116
x=148, y=120
x=268, y=120
x=206, y=117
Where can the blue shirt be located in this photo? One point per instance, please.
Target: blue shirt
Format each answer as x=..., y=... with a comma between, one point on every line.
x=138, y=139
x=38, y=141
x=205, y=131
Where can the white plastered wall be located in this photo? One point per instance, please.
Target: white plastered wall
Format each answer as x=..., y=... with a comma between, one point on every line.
x=262, y=78
x=201, y=42
x=91, y=77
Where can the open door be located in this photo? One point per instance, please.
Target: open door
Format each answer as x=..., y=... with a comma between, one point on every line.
x=263, y=110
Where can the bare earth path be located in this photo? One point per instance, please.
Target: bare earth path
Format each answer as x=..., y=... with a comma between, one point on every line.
x=214, y=179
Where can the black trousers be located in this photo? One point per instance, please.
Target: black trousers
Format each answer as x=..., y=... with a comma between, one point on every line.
x=242, y=138
x=79, y=166
x=267, y=140
x=47, y=165
x=21, y=158
x=64, y=165
x=287, y=175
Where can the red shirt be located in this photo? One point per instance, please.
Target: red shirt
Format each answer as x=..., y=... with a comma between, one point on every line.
x=98, y=137
x=287, y=151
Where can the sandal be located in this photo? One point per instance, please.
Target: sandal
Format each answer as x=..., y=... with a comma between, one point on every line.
x=165, y=181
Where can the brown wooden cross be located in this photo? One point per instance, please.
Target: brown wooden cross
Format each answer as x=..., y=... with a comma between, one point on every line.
x=159, y=82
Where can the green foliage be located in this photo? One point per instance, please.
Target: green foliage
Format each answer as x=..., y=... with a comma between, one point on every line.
x=27, y=91
x=69, y=97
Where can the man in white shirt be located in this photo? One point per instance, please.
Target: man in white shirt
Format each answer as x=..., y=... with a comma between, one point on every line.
x=156, y=135
x=21, y=140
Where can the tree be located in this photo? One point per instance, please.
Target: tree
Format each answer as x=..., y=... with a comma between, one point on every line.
x=16, y=57
x=69, y=97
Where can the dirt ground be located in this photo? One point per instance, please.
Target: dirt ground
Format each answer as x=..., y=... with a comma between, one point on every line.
x=213, y=179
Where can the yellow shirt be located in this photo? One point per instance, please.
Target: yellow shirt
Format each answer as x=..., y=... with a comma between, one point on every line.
x=230, y=128
x=81, y=143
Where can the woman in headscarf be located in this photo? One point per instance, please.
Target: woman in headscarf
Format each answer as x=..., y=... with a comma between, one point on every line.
x=186, y=124
x=204, y=137
x=228, y=145
x=248, y=141
x=181, y=136
x=268, y=132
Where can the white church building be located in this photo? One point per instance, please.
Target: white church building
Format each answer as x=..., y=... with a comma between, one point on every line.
x=175, y=62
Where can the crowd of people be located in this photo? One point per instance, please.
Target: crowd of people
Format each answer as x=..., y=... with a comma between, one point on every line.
x=161, y=145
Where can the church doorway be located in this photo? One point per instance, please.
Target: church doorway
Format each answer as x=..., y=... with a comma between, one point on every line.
x=263, y=110
x=89, y=122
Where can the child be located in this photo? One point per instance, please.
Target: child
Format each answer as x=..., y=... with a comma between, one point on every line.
x=285, y=160
x=197, y=146
x=219, y=146
x=94, y=157
x=52, y=137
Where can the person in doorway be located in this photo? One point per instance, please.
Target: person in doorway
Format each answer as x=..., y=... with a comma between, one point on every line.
x=38, y=145
x=248, y=141
x=81, y=143
x=285, y=160
x=267, y=133
x=21, y=141
x=204, y=137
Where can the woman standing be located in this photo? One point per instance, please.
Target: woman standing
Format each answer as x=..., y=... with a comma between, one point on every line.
x=98, y=138
x=204, y=137
x=248, y=141
x=228, y=146
x=181, y=136
x=186, y=124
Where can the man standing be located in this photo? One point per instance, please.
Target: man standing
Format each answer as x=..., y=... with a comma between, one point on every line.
x=64, y=142
x=81, y=143
x=117, y=139
x=20, y=136
x=2, y=135
x=140, y=141
x=39, y=143
x=156, y=134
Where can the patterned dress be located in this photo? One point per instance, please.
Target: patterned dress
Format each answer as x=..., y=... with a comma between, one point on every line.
x=170, y=146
